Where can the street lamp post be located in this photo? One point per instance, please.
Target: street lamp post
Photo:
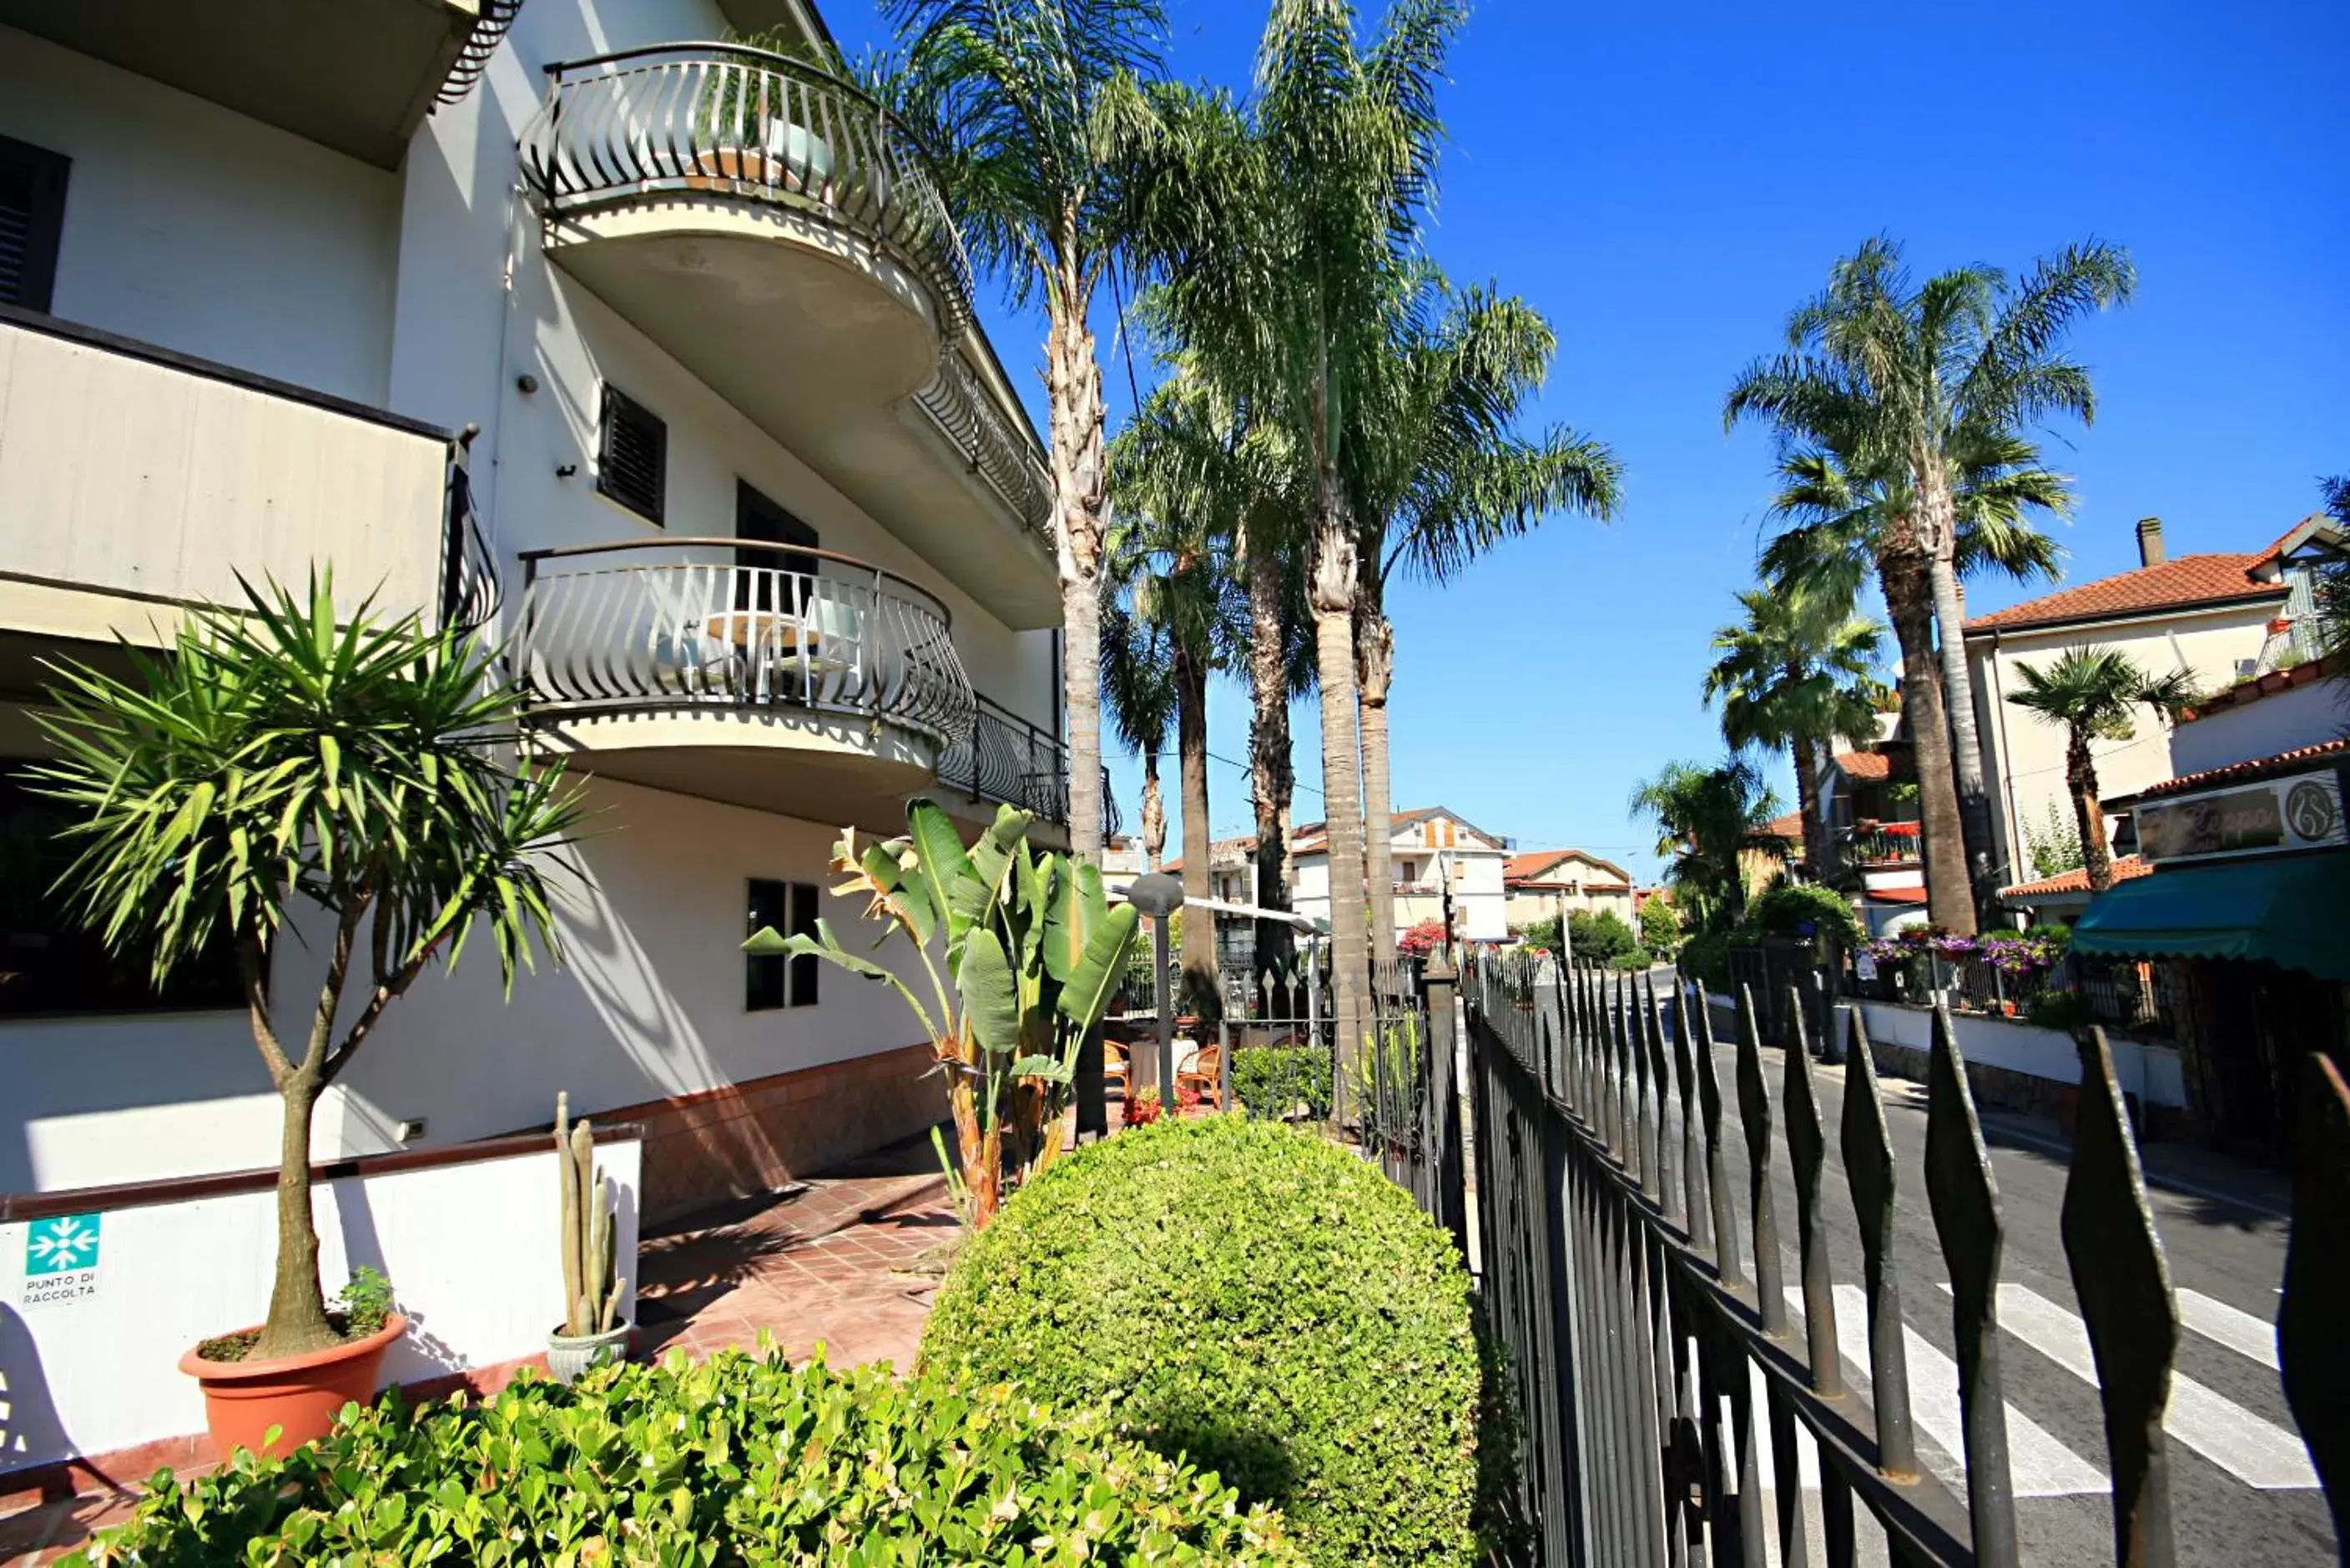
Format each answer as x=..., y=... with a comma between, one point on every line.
x=1158, y=896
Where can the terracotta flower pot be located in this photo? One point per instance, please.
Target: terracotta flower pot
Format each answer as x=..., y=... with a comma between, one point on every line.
x=300, y=1395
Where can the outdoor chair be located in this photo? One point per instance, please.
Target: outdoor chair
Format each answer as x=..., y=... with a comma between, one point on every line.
x=1205, y=1077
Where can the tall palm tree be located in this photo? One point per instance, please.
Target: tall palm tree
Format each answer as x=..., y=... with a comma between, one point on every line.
x=2095, y=693
x=1181, y=487
x=1709, y=821
x=1852, y=514
x=1800, y=670
x=1934, y=368
x=1030, y=108
x=1280, y=228
x=1442, y=474
x=1138, y=688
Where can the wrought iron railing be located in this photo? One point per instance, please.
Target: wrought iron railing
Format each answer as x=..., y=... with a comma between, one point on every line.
x=605, y=631
x=1883, y=844
x=1651, y=1349
x=1005, y=758
x=999, y=453
x=727, y=120
x=471, y=593
x=482, y=41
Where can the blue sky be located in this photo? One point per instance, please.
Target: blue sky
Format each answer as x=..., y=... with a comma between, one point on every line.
x=1666, y=181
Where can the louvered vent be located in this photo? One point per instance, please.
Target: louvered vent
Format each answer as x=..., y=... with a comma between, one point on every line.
x=32, y=212
x=632, y=456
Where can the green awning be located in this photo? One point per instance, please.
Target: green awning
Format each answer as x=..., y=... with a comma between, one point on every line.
x=2291, y=909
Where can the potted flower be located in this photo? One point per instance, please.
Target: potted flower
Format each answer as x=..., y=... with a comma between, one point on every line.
x=591, y=1333
x=287, y=767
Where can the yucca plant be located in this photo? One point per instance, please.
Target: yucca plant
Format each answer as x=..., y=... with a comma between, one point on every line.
x=282, y=763
x=1031, y=950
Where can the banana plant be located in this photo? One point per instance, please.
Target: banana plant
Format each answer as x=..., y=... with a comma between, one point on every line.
x=1020, y=950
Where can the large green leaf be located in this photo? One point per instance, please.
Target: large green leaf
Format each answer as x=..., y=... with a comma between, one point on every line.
x=911, y=900
x=1087, y=993
x=990, y=1001
x=1068, y=921
x=938, y=863
x=1050, y=1068
x=972, y=896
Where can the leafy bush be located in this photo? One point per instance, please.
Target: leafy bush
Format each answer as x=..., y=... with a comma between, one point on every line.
x=2066, y=1010
x=1705, y=958
x=732, y=1459
x=1276, y=1081
x=1422, y=939
x=1542, y=933
x=1631, y=962
x=1599, y=938
x=1267, y=1304
x=1661, y=926
x=1788, y=912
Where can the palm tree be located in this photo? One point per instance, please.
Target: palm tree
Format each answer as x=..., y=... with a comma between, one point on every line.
x=1442, y=475
x=1851, y=515
x=1798, y=672
x=1927, y=372
x=1709, y=822
x=1181, y=487
x=2331, y=593
x=1138, y=687
x=2094, y=694
x=1030, y=106
x=1280, y=230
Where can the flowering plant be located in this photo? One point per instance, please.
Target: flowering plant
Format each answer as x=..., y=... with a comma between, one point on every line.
x=1144, y=1109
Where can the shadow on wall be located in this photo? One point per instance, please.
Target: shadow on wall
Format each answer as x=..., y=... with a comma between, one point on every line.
x=30, y=1430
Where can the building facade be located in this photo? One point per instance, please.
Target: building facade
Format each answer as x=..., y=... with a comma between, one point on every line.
x=1552, y=884
x=1433, y=849
x=655, y=360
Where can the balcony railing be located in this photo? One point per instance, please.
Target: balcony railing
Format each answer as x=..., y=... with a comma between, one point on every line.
x=603, y=632
x=1000, y=454
x=725, y=120
x=1005, y=758
x=1878, y=843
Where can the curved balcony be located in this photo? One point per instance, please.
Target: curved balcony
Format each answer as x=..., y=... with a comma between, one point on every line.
x=702, y=675
x=748, y=211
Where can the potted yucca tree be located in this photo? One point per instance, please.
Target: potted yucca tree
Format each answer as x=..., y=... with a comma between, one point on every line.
x=284, y=765
x=1028, y=953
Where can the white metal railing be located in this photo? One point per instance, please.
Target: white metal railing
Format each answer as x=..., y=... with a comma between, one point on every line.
x=603, y=635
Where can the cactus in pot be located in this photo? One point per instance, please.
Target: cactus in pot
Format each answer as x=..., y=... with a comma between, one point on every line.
x=592, y=1332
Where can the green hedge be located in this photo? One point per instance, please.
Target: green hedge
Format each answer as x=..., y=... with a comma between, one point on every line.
x=1257, y=1300
x=728, y=1461
x=1273, y=1081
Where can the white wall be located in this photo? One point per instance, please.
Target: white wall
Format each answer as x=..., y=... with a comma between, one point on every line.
x=469, y=1248
x=193, y=227
x=2305, y=715
x=2148, y=1070
x=2024, y=754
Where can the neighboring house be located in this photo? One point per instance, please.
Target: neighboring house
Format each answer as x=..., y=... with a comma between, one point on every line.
x=2221, y=619
x=739, y=481
x=1869, y=800
x=1232, y=879
x=1430, y=845
x=1552, y=884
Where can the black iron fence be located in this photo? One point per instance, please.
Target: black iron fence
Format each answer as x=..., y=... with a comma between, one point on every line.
x=1640, y=1320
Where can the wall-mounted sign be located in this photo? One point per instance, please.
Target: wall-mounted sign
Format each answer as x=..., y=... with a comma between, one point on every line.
x=2300, y=811
x=60, y=1260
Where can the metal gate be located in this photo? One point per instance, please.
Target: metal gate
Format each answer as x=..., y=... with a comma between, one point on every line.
x=1637, y=1312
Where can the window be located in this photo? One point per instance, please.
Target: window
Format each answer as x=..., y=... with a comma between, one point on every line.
x=48, y=962
x=789, y=909
x=756, y=517
x=32, y=216
x=631, y=454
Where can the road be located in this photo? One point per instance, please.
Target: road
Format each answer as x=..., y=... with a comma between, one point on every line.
x=2243, y=1491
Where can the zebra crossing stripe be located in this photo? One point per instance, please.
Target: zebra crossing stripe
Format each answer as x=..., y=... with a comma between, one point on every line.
x=2239, y=1331
x=2257, y=1452
x=2038, y=1465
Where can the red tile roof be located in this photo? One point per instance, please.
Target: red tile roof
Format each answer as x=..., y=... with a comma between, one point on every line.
x=2260, y=686
x=2189, y=580
x=1520, y=870
x=1789, y=828
x=2247, y=772
x=1863, y=765
x=1897, y=894
x=2126, y=868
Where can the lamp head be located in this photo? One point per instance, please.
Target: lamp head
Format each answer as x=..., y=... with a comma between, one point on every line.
x=1157, y=895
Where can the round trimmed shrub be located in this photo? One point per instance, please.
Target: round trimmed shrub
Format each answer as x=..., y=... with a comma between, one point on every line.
x=1258, y=1300
x=734, y=1460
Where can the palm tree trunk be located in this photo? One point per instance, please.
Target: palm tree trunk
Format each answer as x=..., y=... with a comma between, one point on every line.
x=1272, y=777
x=1817, y=849
x=1375, y=668
x=1983, y=859
x=1192, y=742
x=1332, y=593
x=1073, y=377
x=2088, y=812
x=297, y=1309
x=1154, y=812
x=1906, y=576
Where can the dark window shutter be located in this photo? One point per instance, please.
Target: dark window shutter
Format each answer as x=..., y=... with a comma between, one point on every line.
x=632, y=454
x=31, y=217
x=763, y=978
x=803, y=968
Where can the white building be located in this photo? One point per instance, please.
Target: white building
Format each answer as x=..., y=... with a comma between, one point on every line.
x=1432, y=848
x=1552, y=884
x=751, y=495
